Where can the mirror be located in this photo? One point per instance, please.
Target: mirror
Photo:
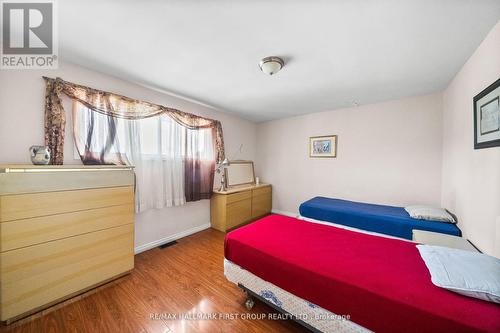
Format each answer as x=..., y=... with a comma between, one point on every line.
x=239, y=173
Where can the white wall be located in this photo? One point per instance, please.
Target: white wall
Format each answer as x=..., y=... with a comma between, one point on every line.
x=21, y=125
x=388, y=153
x=471, y=178
x=414, y=150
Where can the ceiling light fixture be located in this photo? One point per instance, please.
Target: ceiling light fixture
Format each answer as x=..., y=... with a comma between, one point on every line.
x=271, y=65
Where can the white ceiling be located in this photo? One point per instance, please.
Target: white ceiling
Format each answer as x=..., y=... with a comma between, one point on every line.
x=337, y=52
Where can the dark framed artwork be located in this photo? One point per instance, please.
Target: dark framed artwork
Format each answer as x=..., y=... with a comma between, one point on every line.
x=487, y=117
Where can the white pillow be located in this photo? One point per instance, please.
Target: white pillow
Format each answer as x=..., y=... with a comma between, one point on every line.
x=430, y=213
x=468, y=273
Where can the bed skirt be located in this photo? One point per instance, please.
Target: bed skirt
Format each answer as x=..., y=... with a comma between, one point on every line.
x=311, y=314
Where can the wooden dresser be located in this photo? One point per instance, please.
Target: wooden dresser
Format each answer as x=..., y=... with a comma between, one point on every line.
x=237, y=206
x=63, y=231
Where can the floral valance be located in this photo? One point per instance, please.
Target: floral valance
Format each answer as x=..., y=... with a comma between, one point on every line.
x=112, y=105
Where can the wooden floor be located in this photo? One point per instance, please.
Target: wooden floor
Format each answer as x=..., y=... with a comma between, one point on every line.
x=184, y=278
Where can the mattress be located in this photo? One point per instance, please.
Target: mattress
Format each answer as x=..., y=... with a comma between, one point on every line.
x=350, y=228
x=389, y=220
x=380, y=283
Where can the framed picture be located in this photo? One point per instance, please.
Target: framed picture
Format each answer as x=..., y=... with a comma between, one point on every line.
x=487, y=117
x=323, y=146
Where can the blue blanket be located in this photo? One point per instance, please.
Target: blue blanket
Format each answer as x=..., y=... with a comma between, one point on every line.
x=389, y=220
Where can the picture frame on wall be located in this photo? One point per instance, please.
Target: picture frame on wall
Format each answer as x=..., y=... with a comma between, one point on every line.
x=487, y=117
x=323, y=146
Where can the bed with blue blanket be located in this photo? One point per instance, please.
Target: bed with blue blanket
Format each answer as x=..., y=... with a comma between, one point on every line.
x=388, y=220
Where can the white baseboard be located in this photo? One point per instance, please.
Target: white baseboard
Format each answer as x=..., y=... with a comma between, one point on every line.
x=151, y=245
x=282, y=212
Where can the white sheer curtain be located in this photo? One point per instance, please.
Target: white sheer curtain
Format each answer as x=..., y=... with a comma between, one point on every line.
x=154, y=147
x=157, y=147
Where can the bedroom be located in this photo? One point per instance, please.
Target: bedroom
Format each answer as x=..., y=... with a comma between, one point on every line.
x=185, y=166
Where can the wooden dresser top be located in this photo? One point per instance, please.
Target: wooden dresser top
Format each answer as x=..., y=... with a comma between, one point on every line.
x=11, y=168
x=241, y=188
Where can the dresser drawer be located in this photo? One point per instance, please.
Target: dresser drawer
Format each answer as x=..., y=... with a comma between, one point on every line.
x=244, y=195
x=26, y=232
x=38, y=275
x=51, y=180
x=23, y=206
x=261, y=191
x=238, y=213
x=229, y=209
x=261, y=204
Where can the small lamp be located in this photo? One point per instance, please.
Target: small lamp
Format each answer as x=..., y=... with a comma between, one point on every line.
x=219, y=169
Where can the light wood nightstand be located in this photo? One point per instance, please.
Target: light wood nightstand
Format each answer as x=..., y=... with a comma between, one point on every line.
x=240, y=205
x=434, y=238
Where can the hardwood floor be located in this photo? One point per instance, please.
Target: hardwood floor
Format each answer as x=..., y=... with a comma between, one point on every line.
x=184, y=278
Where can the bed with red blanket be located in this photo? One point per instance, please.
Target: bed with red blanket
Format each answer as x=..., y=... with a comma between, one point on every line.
x=382, y=284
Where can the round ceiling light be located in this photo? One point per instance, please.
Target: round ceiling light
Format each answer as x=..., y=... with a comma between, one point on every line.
x=271, y=65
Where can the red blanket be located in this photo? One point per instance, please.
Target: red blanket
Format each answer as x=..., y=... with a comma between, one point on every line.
x=383, y=284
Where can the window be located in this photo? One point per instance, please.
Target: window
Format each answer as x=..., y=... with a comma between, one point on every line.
x=154, y=137
x=172, y=163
